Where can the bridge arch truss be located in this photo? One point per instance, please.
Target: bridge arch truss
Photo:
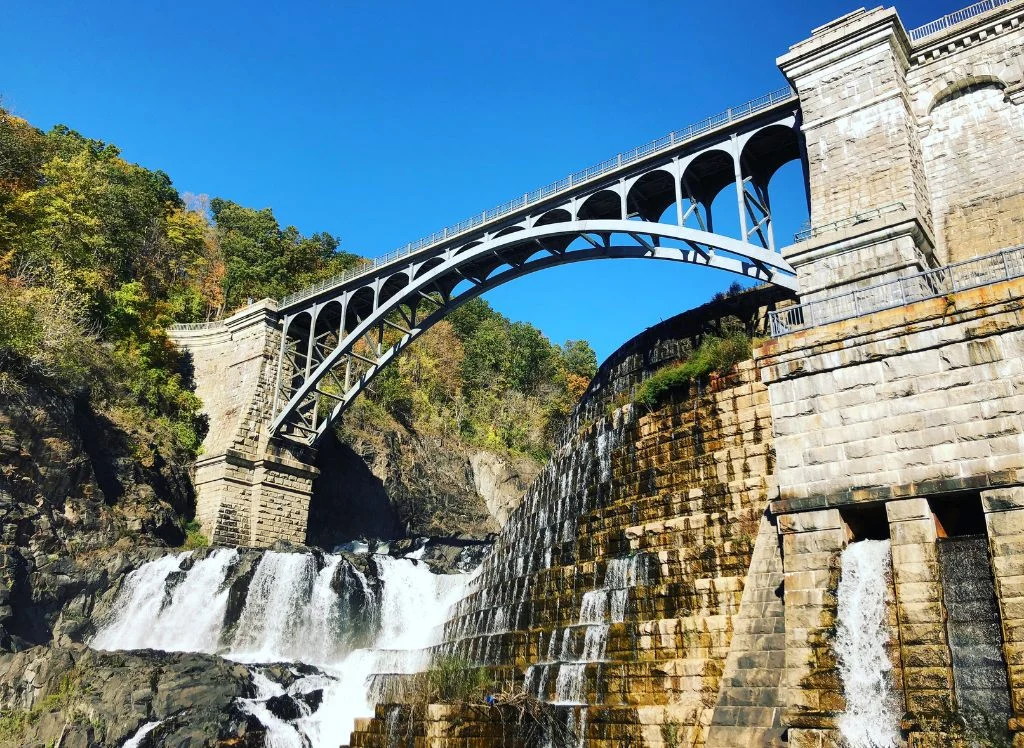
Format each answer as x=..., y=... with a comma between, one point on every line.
x=336, y=341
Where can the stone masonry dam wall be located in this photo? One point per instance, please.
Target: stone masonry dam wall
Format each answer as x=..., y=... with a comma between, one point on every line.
x=735, y=522
x=684, y=643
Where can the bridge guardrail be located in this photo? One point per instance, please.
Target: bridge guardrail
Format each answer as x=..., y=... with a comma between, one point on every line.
x=960, y=276
x=674, y=138
x=952, y=19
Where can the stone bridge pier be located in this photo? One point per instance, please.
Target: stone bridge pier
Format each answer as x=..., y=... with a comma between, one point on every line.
x=251, y=489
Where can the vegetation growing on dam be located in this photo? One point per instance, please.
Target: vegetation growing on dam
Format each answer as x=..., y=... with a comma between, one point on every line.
x=714, y=354
x=99, y=255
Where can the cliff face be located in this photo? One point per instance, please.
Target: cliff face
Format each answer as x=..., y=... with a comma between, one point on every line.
x=75, y=492
x=74, y=696
x=398, y=483
x=83, y=502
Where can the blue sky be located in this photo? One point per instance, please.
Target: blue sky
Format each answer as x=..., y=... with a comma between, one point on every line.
x=383, y=121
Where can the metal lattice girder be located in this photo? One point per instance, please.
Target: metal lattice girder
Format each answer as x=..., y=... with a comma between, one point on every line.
x=458, y=276
x=359, y=322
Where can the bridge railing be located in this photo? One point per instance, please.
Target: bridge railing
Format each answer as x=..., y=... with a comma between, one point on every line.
x=952, y=19
x=674, y=138
x=960, y=276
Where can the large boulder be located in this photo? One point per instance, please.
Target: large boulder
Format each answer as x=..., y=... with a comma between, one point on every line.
x=86, y=699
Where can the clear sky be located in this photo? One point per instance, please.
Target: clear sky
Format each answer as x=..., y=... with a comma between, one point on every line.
x=383, y=121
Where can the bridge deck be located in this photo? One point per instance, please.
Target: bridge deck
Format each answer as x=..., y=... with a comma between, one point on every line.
x=735, y=117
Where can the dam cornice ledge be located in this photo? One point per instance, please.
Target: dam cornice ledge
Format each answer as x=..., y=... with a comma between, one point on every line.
x=1002, y=19
x=879, y=495
x=971, y=314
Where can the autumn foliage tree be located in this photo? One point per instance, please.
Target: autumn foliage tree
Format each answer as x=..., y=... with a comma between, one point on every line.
x=108, y=253
x=482, y=378
x=99, y=255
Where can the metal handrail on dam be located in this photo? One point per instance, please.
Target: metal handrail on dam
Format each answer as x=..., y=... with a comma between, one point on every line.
x=960, y=276
x=952, y=19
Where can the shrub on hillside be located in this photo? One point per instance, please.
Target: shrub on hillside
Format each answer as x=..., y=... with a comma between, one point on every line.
x=44, y=337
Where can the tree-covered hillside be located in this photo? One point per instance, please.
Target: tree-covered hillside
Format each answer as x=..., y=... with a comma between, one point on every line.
x=99, y=255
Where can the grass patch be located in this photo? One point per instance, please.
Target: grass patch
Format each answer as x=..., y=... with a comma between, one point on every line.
x=194, y=537
x=452, y=680
x=671, y=734
x=714, y=355
x=15, y=723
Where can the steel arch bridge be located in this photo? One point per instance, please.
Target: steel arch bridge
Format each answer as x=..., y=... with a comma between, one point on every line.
x=335, y=338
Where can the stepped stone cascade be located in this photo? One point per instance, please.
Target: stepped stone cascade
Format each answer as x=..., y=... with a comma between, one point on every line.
x=616, y=587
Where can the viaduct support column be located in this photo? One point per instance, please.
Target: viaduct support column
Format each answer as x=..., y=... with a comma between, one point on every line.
x=250, y=489
x=1004, y=519
x=811, y=544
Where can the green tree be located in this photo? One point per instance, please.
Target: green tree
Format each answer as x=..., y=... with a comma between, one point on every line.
x=579, y=358
x=529, y=358
x=253, y=251
x=486, y=349
x=263, y=260
x=468, y=317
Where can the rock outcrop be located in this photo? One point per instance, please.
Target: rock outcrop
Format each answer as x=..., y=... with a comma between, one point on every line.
x=80, y=698
x=399, y=483
x=75, y=491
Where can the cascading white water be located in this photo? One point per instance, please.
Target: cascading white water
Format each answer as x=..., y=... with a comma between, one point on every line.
x=190, y=621
x=598, y=609
x=292, y=613
x=136, y=740
x=871, y=719
x=414, y=606
x=139, y=605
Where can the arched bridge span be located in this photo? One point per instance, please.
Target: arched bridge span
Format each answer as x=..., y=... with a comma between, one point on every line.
x=335, y=340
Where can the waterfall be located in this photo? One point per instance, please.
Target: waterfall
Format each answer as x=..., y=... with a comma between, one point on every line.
x=414, y=606
x=136, y=740
x=291, y=612
x=280, y=734
x=189, y=621
x=138, y=605
x=296, y=609
x=599, y=608
x=871, y=719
